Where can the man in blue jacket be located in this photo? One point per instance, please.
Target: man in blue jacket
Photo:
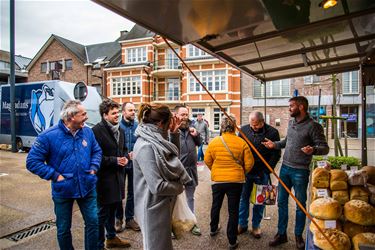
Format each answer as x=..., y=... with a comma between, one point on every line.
x=128, y=124
x=69, y=156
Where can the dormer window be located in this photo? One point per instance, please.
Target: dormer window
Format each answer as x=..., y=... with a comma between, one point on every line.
x=136, y=55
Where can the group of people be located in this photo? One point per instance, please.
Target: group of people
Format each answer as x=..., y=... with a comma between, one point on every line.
x=158, y=158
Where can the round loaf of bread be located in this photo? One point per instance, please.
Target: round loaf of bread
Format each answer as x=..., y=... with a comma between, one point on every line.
x=359, y=193
x=360, y=212
x=338, y=185
x=321, y=224
x=338, y=175
x=352, y=229
x=370, y=170
x=339, y=239
x=320, y=178
x=326, y=209
x=365, y=239
x=341, y=196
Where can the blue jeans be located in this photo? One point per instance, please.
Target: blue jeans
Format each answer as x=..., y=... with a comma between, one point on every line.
x=63, y=212
x=200, y=153
x=129, y=206
x=189, y=192
x=298, y=179
x=106, y=217
x=243, y=219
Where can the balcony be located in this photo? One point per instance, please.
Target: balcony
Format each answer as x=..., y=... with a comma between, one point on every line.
x=166, y=68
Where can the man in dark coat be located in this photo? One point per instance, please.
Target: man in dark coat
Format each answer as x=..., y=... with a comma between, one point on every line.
x=110, y=186
x=189, y=140
x=256, y=131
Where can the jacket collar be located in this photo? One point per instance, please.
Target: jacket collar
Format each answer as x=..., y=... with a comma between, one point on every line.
x=66, y=130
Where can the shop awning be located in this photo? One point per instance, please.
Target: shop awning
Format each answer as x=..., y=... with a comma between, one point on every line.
x=268, y=39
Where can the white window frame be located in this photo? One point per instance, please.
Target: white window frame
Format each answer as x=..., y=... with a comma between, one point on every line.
x=311, y=79
x=350, y=82
x=126, y=86
x=270, y=89
x=167, y=90
x=137, y=54
x=195, y=52
x=209, y=80
x=217, y=111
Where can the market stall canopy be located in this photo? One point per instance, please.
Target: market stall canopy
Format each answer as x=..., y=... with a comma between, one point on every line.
x=268, y=39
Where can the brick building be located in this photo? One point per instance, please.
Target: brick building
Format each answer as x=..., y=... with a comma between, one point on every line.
x=278, y=93
x=62, y=59
x=149, y=71
x=20, y=62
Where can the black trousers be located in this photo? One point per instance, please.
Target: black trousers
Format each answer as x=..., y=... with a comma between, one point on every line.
x=233, y=193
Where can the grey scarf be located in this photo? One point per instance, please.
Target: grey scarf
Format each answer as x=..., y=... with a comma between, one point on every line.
x=115, y=130
x=166, y=153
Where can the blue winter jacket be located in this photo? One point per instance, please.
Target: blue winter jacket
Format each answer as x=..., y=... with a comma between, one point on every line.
x=130, y=138
x=57, y=152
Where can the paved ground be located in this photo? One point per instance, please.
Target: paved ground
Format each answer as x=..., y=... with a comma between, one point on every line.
x=25, y=201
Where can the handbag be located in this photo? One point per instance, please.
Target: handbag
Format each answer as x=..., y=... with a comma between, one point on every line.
x=183, y=219
x=264, y=194
x=238, y=161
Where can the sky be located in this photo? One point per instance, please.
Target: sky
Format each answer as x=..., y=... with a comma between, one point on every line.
x=81, y=21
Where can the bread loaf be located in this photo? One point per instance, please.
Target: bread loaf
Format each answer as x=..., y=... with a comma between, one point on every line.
x=367, y=239
x=339, y=239
x=338, y=180
x=325, y=209
x=370, y=170
x=352, y=229
x=359, y=193
x=341, y=196
x=322, y=225
x=359, y=212
x=320, y=178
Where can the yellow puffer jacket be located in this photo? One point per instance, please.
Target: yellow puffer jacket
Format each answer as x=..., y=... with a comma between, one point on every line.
x=221, y=163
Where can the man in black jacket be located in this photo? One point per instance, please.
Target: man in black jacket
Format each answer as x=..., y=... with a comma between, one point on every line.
x=256, y=131
x=110, y=185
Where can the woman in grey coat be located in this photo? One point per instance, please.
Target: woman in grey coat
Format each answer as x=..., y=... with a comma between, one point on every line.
x=159, y=175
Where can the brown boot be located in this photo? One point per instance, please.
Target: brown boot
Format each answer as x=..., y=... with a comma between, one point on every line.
x=119, y=226
x=241, y=230
x=256, y=233
x=116, y=242
x=300, y=243
x=132, y=224
x=278, y=240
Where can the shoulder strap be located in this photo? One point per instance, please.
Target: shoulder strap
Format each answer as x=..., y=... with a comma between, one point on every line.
x=226, y=146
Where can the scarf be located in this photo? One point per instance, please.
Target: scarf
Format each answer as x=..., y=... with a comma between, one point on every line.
x=115, y=130
x=166, y=153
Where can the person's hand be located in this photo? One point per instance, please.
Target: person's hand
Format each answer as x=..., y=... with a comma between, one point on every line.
x=268, y=143
x=92, y=171
x=308, y=150
x=122, y=161
x=131, y=155
x=60, y=178
x=175, y=124
x=193, y=131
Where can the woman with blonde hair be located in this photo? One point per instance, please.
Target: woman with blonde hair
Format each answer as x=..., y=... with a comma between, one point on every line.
x=159, y=176
x=229, y=158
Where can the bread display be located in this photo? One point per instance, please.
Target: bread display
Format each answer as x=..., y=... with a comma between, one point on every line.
x=357, y=178
x=370, y=170
x=338, y=180
x=326, y=209
x=367, y=239
x=322, y=225
x=320, y=178
x=359, y=212
x=359, y=193
x=352, y=229
x=341, y=196
x=339, y=239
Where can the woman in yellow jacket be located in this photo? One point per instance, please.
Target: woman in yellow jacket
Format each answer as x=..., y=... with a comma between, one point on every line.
x=229, y=158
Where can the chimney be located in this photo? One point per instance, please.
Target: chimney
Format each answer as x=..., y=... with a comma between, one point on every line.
x=123, y=32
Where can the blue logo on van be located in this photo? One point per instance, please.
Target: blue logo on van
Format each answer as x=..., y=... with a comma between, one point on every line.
x=41, y=110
